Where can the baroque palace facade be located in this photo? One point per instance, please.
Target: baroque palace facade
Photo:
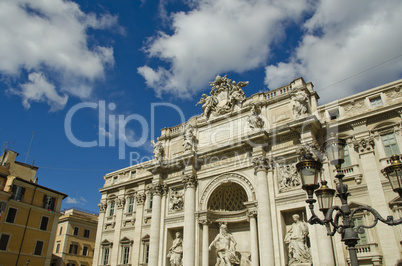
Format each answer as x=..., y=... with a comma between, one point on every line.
x=223, y=187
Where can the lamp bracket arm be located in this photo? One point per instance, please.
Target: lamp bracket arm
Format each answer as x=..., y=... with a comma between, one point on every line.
x=377, y=216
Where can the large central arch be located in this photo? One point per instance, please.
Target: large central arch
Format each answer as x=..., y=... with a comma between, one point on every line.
x=239, y=181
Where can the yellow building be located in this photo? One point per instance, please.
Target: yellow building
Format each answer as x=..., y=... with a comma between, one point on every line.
x=75, y=240
x=28, y=214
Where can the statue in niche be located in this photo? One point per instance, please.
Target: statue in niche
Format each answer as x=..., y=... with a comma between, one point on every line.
x=175, y=254
x=296, y=238
x=189, y=138
x=253, y=119
x=225, y=246
x=176, y=201
x=300, y=103
x=289, y=177
x=158, y=150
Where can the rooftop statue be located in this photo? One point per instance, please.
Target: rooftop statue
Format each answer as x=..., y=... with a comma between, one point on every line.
x=224, y=96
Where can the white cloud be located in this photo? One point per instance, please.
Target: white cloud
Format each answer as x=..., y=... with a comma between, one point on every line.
x=71, y=200
x=216, y=37
x=39, y=89
x=342, y=39
x=77, y=200
x=49, y=37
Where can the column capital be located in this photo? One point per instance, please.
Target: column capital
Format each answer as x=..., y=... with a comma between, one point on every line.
x=189, y=181
x=251, y=214
x=261, y=163
x=364, y=144
x=204, y=221
x=158, y=189
x=140, y=197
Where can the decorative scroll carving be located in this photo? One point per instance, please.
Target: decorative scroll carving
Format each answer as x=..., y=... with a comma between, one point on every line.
x=300, y=100
x=189, y=139
x=120, y=202
x=251, y=214
x=364, y=144
x=102, y=206
x=176, y=201
x=254, y=121
x=225, y=95
x=288, y=177
x=353, y=107
x=140, y=197
x=189, y=181
x=261, y=163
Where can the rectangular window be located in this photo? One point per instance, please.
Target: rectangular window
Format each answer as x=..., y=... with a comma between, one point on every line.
x=130, y=204
x=73, y=249
x=363, y=237
x=11, y=215
x=347, y=159
x=76, y=230
x=49, y=202
x=111, y=210
x=375, y=102
x=17, y=192
x=44, y=222
x=85, y=251
x=87, y=233
x=146, y=252
x=133, y=174
x=115, y=180
x=58, y=247
x=150, y=201
x=126, y=255
x=106, y=256
x=61, y=230
x=333, y=114
x=38, y=248
x=390, y=145
x=4, y=241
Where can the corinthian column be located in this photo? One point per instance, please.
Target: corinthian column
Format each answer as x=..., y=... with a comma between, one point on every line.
x=156, y=191
x=189, y=220
x=266, y=247
x=253, y=237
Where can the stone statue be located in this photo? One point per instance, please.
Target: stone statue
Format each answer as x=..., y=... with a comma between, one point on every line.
x=253, y=119
x=176, y=201
x=300, y=103
x=175, y=254
x=189, y=138
x=226, y=253
x=158, y=150
x=208, y=104
x=296, y=237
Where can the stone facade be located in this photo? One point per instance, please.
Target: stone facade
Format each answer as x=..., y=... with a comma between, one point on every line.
x=235, y=165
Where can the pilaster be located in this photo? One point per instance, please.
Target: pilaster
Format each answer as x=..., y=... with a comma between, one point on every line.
x=266, y=248
x=190, y=181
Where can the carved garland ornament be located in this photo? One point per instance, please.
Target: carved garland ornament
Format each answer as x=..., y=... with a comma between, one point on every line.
x=140, y=197
x=365, y=144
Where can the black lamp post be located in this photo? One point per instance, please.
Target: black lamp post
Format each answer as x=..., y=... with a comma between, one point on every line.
x=309, y=171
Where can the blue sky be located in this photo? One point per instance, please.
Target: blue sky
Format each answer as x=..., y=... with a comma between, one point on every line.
x=72, y=72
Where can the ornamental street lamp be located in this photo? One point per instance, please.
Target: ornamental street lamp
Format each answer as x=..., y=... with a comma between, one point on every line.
x=310, y=170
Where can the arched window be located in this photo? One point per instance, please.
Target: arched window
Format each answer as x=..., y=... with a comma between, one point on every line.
x=228, y=197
